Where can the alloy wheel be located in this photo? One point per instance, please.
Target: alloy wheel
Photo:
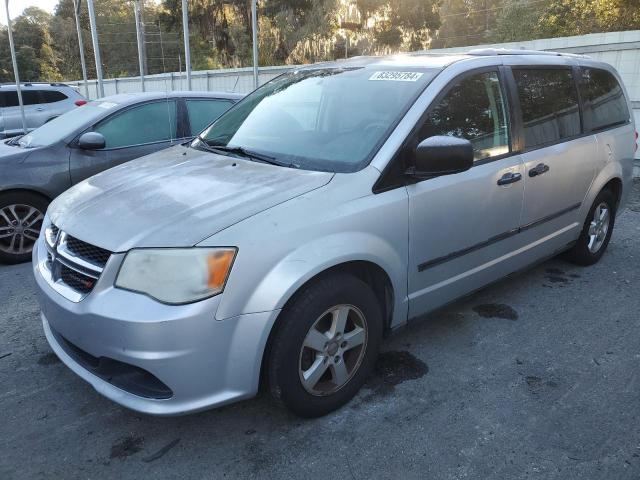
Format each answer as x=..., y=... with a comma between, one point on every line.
x=333, y=350
x=19, y=228
x=599, y=227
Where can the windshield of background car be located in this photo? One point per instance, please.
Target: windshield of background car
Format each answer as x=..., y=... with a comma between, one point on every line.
x=328, y=119
x=65, y=125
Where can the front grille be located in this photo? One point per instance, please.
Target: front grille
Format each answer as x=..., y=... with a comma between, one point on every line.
x=96, y=255
x=74, y=265
x=76, y=280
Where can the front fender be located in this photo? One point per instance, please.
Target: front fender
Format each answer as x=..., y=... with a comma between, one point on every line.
x=287, y=276
x=282, y=248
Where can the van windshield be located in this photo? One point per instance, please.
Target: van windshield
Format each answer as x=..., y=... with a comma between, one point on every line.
x=62, y=126
x=328, y=119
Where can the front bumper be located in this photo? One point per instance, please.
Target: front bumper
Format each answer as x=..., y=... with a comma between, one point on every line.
x=203, y=361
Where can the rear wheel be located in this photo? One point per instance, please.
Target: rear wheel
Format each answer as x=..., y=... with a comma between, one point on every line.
x=325, y=346
x=21, y=216
x=596, y=231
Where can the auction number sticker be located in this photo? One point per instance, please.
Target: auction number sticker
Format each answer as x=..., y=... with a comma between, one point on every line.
x=396, y=76
x=107, y=105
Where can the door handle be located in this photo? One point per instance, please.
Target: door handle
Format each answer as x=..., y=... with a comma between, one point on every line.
x=509, y=177
x=40, y=109
x=538, y=170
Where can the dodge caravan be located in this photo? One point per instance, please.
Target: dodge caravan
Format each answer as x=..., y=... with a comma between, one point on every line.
x=322, y=211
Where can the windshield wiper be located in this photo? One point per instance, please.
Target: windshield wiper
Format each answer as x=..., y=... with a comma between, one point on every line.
x=242, y=152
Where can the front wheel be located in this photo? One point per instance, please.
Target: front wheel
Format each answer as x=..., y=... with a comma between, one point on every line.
x=596, y=232
x=21, y=216
x=325, y=345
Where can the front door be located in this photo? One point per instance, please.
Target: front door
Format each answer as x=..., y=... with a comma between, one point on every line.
x=129, y=134
x=459, y=224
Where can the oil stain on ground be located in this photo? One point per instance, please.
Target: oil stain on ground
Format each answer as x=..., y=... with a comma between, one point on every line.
x=48, y=359
x=391, y=369
x=537, y=385
x=127, y=446
x=496, y=310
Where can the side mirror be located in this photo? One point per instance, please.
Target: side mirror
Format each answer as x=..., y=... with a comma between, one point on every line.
x=91, y=141
x=441, y=155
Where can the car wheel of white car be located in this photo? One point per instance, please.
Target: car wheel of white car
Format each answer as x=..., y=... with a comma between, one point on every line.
x=325, y=345
x=21, y=216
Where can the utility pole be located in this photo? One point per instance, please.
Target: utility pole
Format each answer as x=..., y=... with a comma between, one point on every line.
x=15, y=67
x=254, y=34
x=187, y=51
x=140, y=39
x=96, y=47
x=76, y=11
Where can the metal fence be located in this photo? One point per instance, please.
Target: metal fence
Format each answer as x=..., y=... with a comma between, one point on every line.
x=620, y=49
x=239, y=80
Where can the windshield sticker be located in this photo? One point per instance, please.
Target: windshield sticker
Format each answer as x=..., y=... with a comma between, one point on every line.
x=107, y=105
x=396, y=76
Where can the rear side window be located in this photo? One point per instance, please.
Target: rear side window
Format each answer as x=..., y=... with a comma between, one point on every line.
x=203, y=112
x=148, y=123
x=549, y=104
x=473, y=109
x=604, y=104
x=51, y=96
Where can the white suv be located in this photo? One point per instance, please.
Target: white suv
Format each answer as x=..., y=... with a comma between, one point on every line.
x=42, y=102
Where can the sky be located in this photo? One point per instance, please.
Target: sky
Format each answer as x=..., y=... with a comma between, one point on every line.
x=17, y=6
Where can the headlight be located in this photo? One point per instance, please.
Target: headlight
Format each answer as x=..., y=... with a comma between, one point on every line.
x=176, y=275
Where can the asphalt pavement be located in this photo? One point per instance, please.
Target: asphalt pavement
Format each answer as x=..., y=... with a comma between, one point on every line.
x=536, y=377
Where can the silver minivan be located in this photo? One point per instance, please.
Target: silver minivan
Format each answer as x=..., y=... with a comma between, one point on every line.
x=321, y=212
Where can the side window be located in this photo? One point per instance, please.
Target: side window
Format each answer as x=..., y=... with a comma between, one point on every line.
x=148, y=123
x=604, y=104
x=9, y=99
x=51, y=96
x=31, y=97
x=203, y=112
x=549, y=104
x=473, y=109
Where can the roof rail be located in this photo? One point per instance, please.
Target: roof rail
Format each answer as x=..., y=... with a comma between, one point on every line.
x=489, y=52
x=31, y=84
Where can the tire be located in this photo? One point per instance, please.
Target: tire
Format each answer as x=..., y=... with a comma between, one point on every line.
x=588, y=251
x=321, y=305
x=21, y=216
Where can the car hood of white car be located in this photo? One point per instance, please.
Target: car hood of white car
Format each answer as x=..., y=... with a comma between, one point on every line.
x=175, y=198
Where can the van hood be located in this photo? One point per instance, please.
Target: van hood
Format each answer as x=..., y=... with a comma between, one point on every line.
x=175, y=198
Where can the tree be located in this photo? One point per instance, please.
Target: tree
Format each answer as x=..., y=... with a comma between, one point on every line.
x=517, y=21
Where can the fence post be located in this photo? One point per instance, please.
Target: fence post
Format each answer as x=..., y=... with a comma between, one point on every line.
x=15, y=68
x=96, y=47
x=187, y=50
x=254, y=33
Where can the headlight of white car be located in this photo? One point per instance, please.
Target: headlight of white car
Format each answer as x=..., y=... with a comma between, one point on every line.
x=176, y=275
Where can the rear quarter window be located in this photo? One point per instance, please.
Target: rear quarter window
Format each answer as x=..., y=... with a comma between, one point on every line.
x=51, y=96
x=203, y=112
x=604, y=103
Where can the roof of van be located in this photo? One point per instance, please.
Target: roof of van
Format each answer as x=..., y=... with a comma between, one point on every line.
x=429, y=59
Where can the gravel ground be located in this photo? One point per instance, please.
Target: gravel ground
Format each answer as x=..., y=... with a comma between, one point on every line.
x=535, y=377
